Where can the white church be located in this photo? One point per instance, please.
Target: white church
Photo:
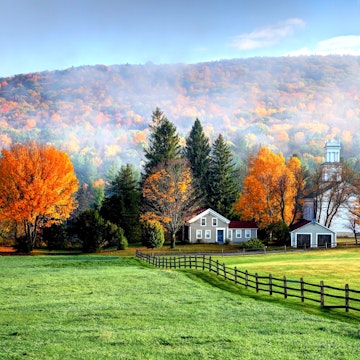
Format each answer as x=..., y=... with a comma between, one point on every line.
x=320, y=207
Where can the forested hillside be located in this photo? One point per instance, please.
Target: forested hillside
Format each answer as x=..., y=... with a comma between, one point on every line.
x=100, y=114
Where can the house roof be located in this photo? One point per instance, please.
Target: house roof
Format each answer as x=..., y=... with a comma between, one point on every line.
x=304, y=222
x=299, y=224
x=242, y=225
x=208, y=212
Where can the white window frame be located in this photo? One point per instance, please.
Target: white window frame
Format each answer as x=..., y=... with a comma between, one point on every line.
x=238, y=233
x=214, y=222
x=203, y=221
x=207, y=234
x=247, y=233
x=229, y=234
x=198, y=234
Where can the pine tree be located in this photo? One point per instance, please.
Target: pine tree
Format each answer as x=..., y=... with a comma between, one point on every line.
x=222, y=188
x=122, y=203
x=197, y=151
x=163, y=142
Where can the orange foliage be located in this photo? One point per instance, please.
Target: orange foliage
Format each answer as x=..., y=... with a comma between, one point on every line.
x=269, y=189
x=37, y=184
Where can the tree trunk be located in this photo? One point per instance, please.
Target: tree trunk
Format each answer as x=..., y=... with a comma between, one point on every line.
x=173, y=240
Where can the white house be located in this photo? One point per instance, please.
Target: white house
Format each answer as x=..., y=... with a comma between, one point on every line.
x=208, y=226
x=311, y=234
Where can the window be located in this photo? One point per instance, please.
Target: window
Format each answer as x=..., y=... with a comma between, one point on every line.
x=214, y=221
x=238, y=233
x=247, y=233
x=199, y=234
x=207, y=234
x=203, y=221
x=229, y=234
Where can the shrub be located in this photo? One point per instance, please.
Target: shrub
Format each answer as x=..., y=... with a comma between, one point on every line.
x=23, y=244
x=56, y=237
x=254, y=243
x=153, y=234
x=90, y=228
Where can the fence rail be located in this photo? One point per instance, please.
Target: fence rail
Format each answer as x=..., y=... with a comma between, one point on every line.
x=325, y=295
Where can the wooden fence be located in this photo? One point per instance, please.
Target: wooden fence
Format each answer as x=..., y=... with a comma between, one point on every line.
x=327, y=296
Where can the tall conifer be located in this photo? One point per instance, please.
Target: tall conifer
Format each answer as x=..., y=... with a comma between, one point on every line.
x=197, y=151
x=222, y=188
x=163, y=142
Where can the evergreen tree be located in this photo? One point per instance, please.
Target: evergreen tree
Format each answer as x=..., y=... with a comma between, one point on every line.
x=222, y=188
x=163, y=142
x=197, y=151
x=122, y=203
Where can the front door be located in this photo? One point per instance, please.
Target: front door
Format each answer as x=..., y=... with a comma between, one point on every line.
x=220, y=236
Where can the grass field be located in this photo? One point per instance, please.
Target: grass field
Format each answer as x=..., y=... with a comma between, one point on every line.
x=106, y=307
x=335, y=267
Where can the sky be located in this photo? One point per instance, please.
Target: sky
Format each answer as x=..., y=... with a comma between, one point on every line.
x=40, y=35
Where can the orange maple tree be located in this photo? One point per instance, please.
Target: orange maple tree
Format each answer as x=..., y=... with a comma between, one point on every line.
x=37, y=186
x=269, y=190
x=169, y=196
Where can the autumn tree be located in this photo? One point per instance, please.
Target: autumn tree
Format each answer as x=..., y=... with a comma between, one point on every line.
x=37, y=186
x=222, y=185
x=269, y=190
x=197, y=151
x=122, y=202
x=169, y=196
x=163, y=142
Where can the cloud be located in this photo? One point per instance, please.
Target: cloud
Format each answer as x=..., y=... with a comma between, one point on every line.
x=339, y=45
x=267, y=36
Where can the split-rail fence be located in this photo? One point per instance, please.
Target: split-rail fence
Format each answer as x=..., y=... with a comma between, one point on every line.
x=327, y=296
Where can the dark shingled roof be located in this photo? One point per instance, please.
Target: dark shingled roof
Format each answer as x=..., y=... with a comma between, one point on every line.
x=299, y=224
x=242, y=225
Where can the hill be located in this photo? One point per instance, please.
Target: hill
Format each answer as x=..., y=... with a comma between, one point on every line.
x=100, y=114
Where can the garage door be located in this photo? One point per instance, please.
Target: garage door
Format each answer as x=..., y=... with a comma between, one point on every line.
x=303, y=240
x=324, y=240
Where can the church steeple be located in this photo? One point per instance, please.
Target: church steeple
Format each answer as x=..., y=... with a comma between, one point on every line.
x=332, y=151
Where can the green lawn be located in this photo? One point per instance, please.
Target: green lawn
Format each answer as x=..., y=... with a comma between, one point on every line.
x=106, y=307
x=335, y=267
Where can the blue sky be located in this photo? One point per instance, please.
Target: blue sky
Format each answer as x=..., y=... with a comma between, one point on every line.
x=38, y=35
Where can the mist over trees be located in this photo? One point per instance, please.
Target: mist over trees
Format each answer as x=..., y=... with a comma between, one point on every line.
x=99, y=114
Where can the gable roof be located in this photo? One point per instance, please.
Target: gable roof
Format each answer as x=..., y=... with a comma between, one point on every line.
x=304, y=222
x=299, y=224
x=242, y=225
x=209, y=212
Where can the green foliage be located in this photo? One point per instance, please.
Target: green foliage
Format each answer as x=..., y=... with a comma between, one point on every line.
x=122, y=202
x=115, y=235
x=254, y=243
x=56, y=236
x=163, y=142
x=90, y=229
x=280, y=233
x=197, y=152
x=222, y=185
x=153, y=234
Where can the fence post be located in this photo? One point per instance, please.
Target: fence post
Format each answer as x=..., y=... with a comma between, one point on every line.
x=270, y=285
x=322, y=294
x=196, y=262
x=203, y=262
x=224, y=270
x=256, y=282
x=285, y=288
x=217, y=267
x=235, y=275
x=302, y=290
x=246, y=279
x=184, y=261
x=210, y=264
x=347, y=297
x=284, y=248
